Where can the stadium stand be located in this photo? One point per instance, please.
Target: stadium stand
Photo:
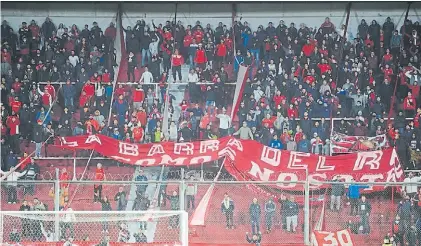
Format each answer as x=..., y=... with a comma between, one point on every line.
x=308, y=89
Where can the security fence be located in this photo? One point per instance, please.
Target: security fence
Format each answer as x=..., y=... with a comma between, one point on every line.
x=222, y=211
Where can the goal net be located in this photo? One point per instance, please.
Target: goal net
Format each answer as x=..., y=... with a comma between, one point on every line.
x=168, y=228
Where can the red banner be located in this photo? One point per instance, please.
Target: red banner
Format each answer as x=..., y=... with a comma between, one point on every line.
x=249, y=160
x=339, y=238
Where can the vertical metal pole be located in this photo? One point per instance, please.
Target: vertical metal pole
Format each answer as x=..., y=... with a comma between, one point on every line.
x=201, y=172
x=392, y=200
x=181, y=195
x=57, y=205
x=74, y=166
x=184, y=226
x=331, y=134
x=181, y=191
x=307, y=211
x=182, y=174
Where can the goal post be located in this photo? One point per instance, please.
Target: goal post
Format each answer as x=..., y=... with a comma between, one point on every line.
x=128, y=227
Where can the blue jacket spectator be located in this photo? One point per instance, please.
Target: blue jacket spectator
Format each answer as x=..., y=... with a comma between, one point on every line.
x=275, y=143
x=354, y=190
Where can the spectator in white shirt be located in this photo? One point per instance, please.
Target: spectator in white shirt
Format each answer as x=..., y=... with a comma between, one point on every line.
x=173, y=132
x=67, y=222
x=12, y=178
x=193, y=78
x=147, y=77
x=224, y=122
x=48, y=234
x=153, y=46
x=73, y=58
x=411, y=189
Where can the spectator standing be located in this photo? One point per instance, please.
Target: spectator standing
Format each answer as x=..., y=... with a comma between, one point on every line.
x=175, y=205
x=190, y=191
x=354, y=196
x=244, y=132
x=132, y=64
x=141, y=203
x=275, y=143
x=412, y=188
x=105, y=206
x=13, y=124
x=291, y=213
x=12, y=178
x=177, y=61
x=255, y=213
x=147, y=77
x=67, y=222
x=227, y=209
x=364, y=210
x=121, y=199
x=224, y=123
x=141, y=177
x=338, y=190
x=99, y=176
x=270, y=208
x=31, y=173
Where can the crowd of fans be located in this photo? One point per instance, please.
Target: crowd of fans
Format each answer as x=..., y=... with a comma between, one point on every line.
x=296, y=75
x=298, y=79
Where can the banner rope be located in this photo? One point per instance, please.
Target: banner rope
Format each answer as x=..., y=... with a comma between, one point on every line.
x=81, y=178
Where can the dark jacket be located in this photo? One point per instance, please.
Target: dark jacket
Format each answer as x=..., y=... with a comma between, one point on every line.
x=141, y=203
x=255, y=211
x=338, y=189
x=38, y=134
x=174, y=201
x=290, y=208
x=230, y=207
x=364, y=207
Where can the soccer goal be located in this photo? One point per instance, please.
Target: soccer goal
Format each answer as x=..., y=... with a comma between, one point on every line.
x=95, y=227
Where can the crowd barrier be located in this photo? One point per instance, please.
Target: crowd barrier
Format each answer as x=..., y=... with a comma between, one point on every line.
x=320, y=206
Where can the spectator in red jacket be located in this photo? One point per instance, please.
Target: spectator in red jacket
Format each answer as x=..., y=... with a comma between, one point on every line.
x=99, y=176
x=200, y=58
x=111, y=32
x=177, y=61
x=409, y=105
x=106, y=77
x=51, y=90
x=138, y=95
x=46, y=98
x=95, y=78
x=83, y=99
x=13, y=123
x=16, y=105
x=89, y=89
x=221, y=53
x=34, y=28
x=308, y=48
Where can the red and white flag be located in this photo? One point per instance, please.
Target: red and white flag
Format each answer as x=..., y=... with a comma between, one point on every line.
x=239, y=88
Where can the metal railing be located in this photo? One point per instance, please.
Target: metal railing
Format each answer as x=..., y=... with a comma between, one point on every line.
x=208, y=195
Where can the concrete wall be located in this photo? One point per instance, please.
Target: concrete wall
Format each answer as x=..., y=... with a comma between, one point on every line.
x=310, y=13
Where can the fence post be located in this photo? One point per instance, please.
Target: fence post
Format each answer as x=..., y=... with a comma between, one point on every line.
x=184, y=228
x=74, y=167
x=57, y=205
x=181, y=195
x=307, y=210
